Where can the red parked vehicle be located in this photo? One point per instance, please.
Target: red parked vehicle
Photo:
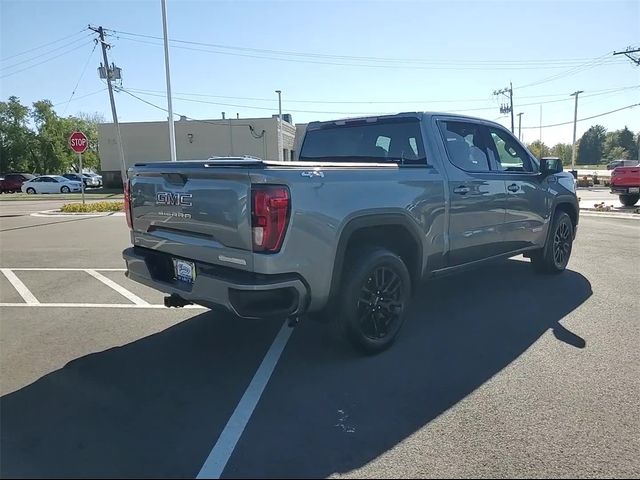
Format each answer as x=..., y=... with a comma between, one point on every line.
x=12, y=182
x=625, y=182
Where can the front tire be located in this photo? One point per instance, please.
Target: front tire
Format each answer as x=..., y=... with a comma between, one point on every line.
x=375, y=291
x=64, y=189
x=555, y=256
x=629, y=200
x=31, y=190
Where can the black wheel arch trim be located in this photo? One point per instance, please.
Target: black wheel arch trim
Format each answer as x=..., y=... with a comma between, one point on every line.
x=372, y=219
x=558, y=201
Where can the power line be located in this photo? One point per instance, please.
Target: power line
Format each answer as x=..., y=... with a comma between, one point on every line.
x=594, y=93
x=210, y=122
x=120, y=89
x=48, y=44
x=251, y=107
x=305, y=55
x=80, y=97
x=587, y=118
x=598, y=61
x=74, y=42
x=44, y=61
x=84, y=69
x=453, y=66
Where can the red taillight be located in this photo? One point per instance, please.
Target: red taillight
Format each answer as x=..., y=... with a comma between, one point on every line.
x=270, y=209
x=127, y=203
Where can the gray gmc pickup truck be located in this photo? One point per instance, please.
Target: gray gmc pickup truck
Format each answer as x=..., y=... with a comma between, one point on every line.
x=373, y=206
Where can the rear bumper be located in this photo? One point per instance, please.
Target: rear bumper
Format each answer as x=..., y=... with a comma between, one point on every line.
x=245, y=294
x=624, y=189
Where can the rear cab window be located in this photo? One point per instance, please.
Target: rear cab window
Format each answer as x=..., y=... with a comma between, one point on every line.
x=378, y=141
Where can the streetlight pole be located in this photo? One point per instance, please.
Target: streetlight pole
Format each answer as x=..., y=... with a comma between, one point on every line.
x=280, y=140
x=520, y=125
x=575, y=121
x=172, y=131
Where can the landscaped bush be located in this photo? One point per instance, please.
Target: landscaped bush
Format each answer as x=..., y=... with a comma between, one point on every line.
x=93, y=207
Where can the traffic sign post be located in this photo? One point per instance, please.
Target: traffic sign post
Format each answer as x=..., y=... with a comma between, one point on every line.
x=78, y=143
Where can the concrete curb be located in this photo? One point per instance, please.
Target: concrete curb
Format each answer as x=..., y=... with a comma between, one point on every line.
x=58, y=213
x=592, y=212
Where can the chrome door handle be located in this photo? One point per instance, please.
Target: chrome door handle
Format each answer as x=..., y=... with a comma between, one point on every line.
x=462, y=190
x=513, y=187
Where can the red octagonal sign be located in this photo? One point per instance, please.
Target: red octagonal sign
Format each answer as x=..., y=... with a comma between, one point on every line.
x=78, y=142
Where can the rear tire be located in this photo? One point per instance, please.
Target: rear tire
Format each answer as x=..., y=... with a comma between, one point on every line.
x=375, y=291
x=64, y=189
x=629, y=200
x=31, y=190
x=555, y=256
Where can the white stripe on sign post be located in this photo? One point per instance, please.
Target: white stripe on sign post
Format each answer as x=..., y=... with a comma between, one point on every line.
x=222, y=450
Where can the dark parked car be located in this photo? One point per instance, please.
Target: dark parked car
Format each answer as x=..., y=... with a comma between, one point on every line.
x=12, y=182
x=622, y=163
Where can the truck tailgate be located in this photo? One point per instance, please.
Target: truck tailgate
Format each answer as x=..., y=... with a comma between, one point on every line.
x=203, y=214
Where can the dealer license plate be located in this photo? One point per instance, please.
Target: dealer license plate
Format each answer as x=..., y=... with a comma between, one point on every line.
x=184, y=271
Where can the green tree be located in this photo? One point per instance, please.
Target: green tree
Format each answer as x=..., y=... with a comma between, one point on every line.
x=36, y=139
x=562, y=151
x=539, y=149
x=620, y=144
x=626, y=141
x=591, y=146
x=610, y=142
x=17, y=141
x=54, y=154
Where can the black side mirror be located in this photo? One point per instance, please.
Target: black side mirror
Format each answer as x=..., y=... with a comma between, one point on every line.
x=549, y=166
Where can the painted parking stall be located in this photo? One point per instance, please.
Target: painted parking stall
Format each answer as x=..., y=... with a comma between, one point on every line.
x=123, y=297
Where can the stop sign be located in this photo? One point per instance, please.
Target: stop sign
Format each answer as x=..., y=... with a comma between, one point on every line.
x=78, y=142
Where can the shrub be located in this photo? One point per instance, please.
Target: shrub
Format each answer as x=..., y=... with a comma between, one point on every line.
x=93, y=207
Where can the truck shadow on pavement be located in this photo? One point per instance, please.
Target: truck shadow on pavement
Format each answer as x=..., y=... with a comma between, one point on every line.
x=155, y=407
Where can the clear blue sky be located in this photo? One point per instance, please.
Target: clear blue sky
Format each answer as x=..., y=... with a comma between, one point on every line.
x=488, y=43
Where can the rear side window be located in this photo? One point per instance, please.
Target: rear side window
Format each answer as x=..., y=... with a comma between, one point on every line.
x=375, y=142
x=465, y=145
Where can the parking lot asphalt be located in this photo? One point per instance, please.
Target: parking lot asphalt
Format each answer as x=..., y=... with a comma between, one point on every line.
x=498, y=372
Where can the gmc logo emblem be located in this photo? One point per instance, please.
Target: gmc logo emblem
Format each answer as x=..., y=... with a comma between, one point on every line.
x=170, y=198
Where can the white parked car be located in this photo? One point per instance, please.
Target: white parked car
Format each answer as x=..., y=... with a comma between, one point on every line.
x=50, y=184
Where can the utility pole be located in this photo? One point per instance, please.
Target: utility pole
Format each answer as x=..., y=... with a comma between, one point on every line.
x=540, y=131
x=280, y=140
x=511, y=101
x=109, y=74
x=575, y=121
x=172, y=128
x=627, y=53
x=507, y=108
x=520, y=125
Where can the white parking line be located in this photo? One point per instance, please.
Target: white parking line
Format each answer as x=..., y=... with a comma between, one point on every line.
x=118, y=288
x=91, y=305
x=67, y=269
x=21, y=288
x=32, y=301
x=222, y=450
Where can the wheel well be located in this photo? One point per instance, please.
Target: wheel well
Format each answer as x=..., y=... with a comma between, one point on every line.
x=395, y=238
x=569, y=210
